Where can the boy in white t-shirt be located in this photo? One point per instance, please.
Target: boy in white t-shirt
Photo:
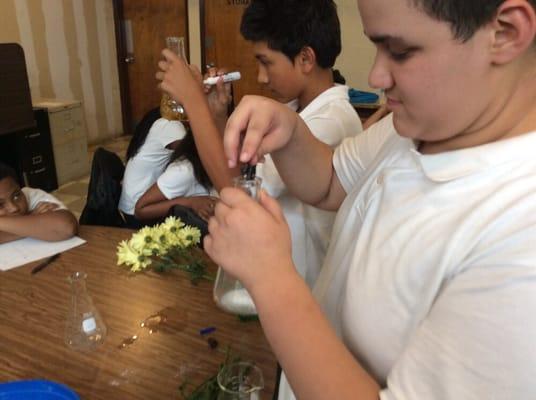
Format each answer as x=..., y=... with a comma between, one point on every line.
x=29, y=212
x=428, y=290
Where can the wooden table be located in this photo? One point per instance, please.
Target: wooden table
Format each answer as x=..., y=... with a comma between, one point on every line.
x=33, y=311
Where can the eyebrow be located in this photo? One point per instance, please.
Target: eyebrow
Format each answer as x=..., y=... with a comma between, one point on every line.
x=386, y=38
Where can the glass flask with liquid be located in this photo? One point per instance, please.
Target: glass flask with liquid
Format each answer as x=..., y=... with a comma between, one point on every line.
x=229, y=294
x=169, y=108
x=85, y=329
x=240, y=381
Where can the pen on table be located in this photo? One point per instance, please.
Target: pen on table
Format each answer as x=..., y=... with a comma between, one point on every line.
x=45, y=263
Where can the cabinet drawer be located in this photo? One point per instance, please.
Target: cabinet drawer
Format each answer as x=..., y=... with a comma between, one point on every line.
x=71, y=161
x=66, y=125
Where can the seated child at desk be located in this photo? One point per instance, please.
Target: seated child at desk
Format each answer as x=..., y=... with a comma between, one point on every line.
x=28, y=212
x=148, y=153
x=184, y=182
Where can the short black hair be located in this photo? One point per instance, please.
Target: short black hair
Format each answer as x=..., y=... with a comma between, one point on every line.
x=464, y=16
x=7, y=172
x=290, y=25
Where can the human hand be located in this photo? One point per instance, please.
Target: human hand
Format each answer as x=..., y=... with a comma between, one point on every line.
x=179, y=79
x=203, y=206
x=218, y=95
x=248, y=239
x=43, y=207
x=257, y=127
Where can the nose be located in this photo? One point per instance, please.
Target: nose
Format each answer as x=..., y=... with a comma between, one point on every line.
x=380, y=76
x=262, y=76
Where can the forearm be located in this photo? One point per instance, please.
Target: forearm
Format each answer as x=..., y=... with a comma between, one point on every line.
x=151, y=211
x=209, y=143
x=6, y=237
x=50, y=226
x=305, y=165
x=301, y=337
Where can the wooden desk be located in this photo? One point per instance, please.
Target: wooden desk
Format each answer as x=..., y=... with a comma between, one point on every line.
x=33, y=309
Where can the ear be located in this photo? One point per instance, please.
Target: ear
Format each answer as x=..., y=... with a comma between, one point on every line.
x=306, y=59
x=514, y=30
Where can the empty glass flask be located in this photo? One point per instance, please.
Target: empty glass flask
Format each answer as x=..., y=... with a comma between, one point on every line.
x=229, y=294
x=85, y=329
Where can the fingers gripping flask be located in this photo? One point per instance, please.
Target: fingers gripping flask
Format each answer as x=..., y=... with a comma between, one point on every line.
x=169, y=108
x=229, y=293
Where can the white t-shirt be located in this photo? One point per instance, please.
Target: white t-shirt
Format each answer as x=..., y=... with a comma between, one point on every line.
x=147, y=165
x=331, y=118
x=36, y=196
x=178, y=180
x=430, y=279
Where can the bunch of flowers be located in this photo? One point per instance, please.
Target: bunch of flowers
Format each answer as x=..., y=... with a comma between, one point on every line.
x=171, y=244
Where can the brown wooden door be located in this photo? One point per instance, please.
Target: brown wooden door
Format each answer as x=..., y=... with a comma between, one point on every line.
x=225, y=47
x=147, y=23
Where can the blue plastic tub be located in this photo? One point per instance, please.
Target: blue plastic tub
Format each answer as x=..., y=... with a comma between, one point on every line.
x=36, y=390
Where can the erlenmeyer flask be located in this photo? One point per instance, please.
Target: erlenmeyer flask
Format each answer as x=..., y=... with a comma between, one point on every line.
x=229, y=294
x=169, y=108
x=84, y=329
x=240, y=381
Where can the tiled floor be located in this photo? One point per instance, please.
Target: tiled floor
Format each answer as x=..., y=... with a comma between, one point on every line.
x=73, y=194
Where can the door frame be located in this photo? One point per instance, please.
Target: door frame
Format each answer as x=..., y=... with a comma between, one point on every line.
x=122, y=67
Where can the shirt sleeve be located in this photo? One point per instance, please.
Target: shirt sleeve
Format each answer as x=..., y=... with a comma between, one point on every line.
x=176, y=180
x=271, y=180
x=36, y=196
x=477, y=341
x=168, y=131
x=354, y=155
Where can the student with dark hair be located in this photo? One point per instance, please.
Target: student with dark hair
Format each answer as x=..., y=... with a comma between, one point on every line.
x=28, y=212
x=296, y=44
x=428, y=290
x=148, y=154
x=184, y=182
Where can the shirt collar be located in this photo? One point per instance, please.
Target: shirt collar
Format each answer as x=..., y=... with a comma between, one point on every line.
x=457, y=164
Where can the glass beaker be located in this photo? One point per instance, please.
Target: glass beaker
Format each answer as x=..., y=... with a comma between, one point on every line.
x=240, y=381
x=85, y=329
x=169, y=108
x=229, y=294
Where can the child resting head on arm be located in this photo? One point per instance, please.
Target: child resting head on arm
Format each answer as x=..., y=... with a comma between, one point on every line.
x=27, y=212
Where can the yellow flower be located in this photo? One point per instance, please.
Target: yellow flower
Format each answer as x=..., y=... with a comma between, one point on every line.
x=172, y=224
x=126, y=254
x=149, y=242
x=189, y=236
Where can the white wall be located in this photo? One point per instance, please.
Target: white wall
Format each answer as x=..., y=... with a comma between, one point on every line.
x=358, y=52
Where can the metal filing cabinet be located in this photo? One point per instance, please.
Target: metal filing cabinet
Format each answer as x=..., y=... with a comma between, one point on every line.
x=69, y=139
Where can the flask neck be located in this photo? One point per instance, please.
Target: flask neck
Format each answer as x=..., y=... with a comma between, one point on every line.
x=78, y=282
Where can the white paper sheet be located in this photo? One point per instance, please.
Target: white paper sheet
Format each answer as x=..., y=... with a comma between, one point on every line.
x=23, y=251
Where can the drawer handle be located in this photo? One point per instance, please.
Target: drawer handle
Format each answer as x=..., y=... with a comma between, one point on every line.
x=38, y=171
x=34, y=135
x=65, y=130
x=37, y=160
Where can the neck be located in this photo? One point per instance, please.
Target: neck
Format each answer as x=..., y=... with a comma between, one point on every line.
x=317, y=83
x=508, y=116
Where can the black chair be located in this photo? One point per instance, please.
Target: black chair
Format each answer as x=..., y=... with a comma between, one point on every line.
x=104, y=190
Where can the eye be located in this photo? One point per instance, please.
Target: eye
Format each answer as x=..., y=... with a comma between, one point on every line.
x=400, y=56
x=17, y=196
